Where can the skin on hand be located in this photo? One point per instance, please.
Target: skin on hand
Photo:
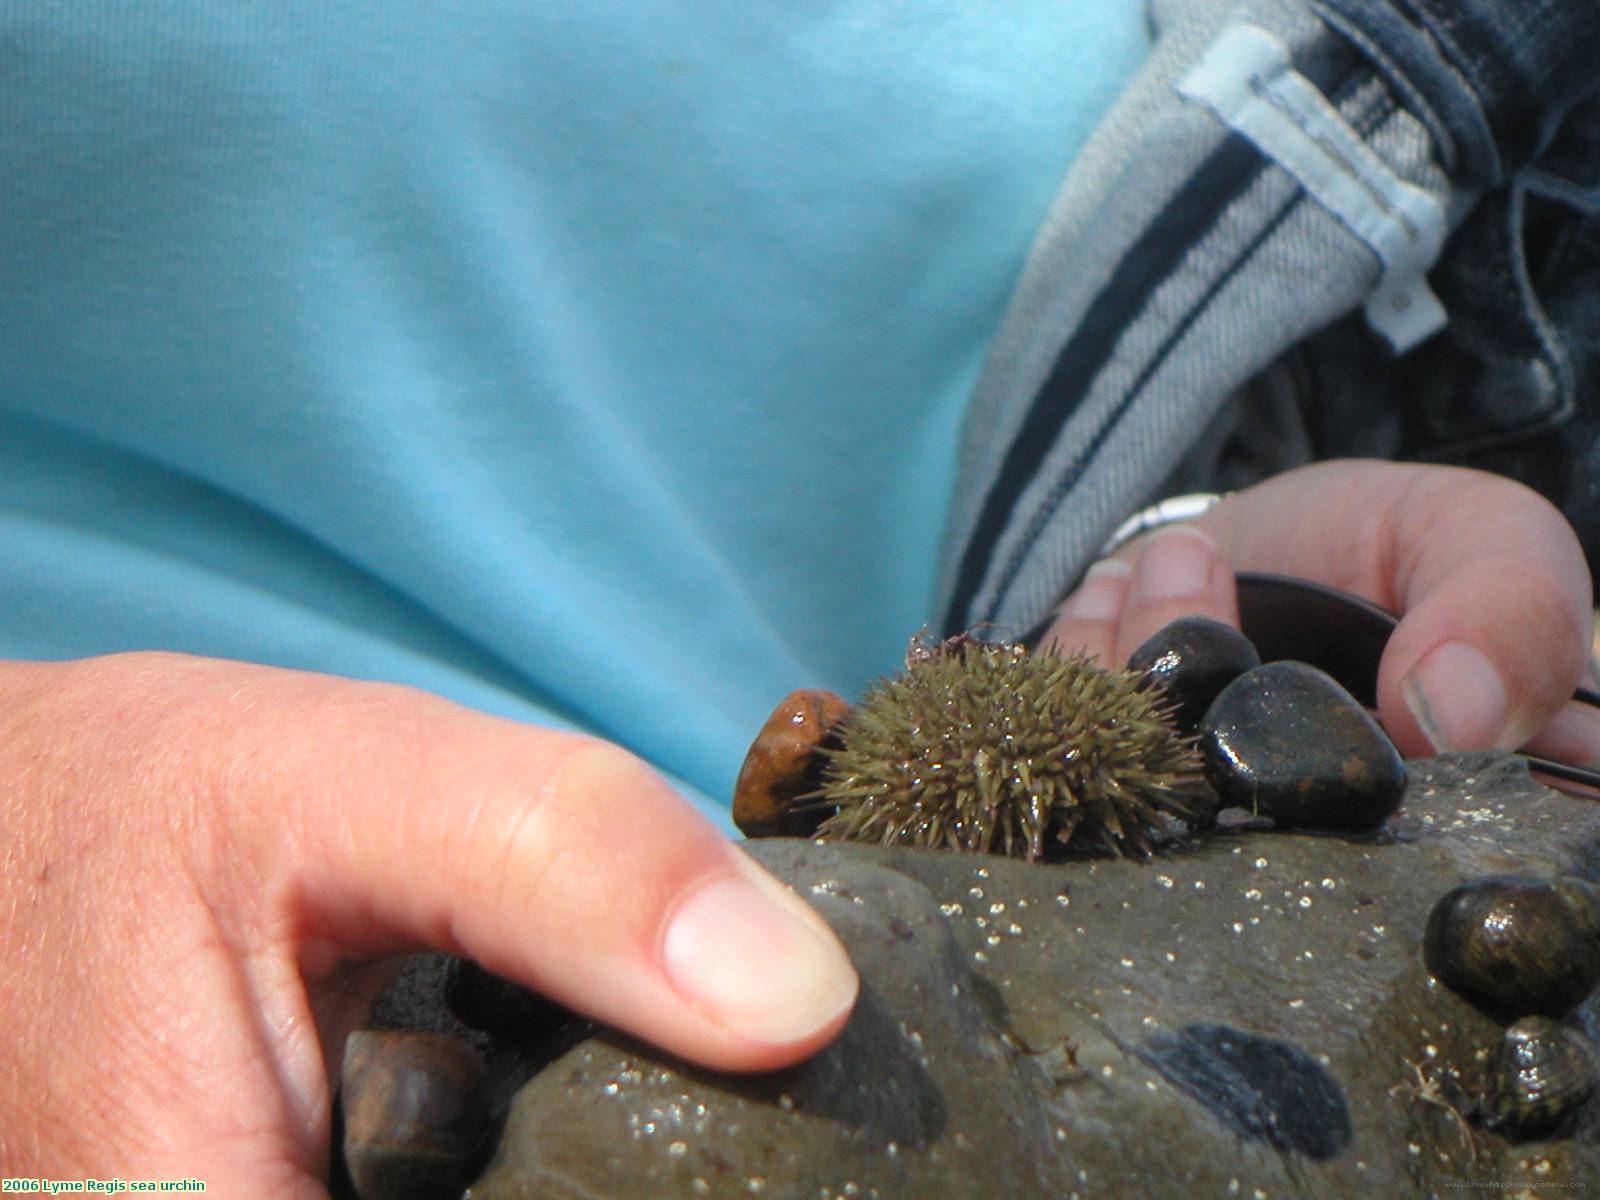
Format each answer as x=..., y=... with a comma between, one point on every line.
x=1488, y=578
x=207, y=864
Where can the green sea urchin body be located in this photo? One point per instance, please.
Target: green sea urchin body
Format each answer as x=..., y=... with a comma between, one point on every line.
x=986, y=748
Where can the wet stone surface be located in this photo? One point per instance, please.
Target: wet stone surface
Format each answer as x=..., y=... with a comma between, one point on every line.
x=487, y=1002
x=1249, y=1018
x=1264, y=1089
x=1285, y=741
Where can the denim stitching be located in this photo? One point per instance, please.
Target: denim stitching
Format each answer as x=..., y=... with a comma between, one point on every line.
x=1458, y=62
x=1382, y=108
x=1070, y=477
x=1555, y=359
x=1397, y=78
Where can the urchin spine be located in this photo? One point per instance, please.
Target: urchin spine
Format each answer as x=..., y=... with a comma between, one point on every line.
x=987, y=748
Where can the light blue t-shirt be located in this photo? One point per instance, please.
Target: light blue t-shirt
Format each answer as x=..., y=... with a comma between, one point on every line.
x=597, y=364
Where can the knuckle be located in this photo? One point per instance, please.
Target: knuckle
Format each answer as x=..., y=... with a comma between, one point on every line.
x=1554, y=616
x=541, y=831
x=533, y=795
x=587, y=764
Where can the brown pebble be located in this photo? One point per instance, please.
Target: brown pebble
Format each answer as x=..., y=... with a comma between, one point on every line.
x=784, y=763
x=416, y=1115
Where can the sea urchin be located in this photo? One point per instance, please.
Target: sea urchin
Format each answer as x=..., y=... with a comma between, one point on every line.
x=984, y=747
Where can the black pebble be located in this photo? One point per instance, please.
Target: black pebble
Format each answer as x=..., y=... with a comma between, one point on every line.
x=509, y=1011
x=1286, y=741
x=1192, y=660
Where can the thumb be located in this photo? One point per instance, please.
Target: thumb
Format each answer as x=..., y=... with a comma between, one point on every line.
x=554, y=859
x=1496, y=603
x=1489, y=579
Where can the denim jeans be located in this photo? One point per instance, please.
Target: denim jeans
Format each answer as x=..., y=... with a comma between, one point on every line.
x=1202, y=307
x=1512, y=384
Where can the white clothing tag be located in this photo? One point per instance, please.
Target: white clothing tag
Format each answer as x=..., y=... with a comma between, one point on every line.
x=1246, y=76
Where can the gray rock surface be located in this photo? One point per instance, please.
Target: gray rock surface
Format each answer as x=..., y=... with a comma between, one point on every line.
x=1251, y=1018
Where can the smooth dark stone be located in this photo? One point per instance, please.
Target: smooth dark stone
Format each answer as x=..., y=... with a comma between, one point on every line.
x=1286, y=741
x=1522, y=946
x=1192, y=660
x=1290, y=618
x=486, y=1001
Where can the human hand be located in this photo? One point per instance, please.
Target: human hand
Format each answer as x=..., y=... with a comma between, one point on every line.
x=1489, y=581
x=204, y=860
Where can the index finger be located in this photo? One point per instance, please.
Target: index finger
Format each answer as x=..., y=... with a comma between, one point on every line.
x=554, y=859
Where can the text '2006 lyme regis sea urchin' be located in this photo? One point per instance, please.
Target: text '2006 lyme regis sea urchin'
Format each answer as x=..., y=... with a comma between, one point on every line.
x=981, y=746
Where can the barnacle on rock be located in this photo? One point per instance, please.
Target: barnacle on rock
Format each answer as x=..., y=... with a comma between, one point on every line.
x=983, y=747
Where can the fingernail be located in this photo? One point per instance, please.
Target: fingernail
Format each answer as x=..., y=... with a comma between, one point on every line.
x=1101, y=595
x=755, y=958
x=1177, y=562
x=1457, y=698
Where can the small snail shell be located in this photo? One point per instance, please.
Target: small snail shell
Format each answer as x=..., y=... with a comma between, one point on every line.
x=1519, y=945
x=1541, y=1075
x=416, y=1114
x=784, y=763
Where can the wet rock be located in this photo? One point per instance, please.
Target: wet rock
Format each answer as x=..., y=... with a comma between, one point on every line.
x=880, y=1094
x=1522, y=946
x=1287, y=742
x=493, y=1004
x=784, y=763
x=1253, y=1015
x=1192, y=660
x=1542, y=1074
x=1265, y=1089
x=415, y=1114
